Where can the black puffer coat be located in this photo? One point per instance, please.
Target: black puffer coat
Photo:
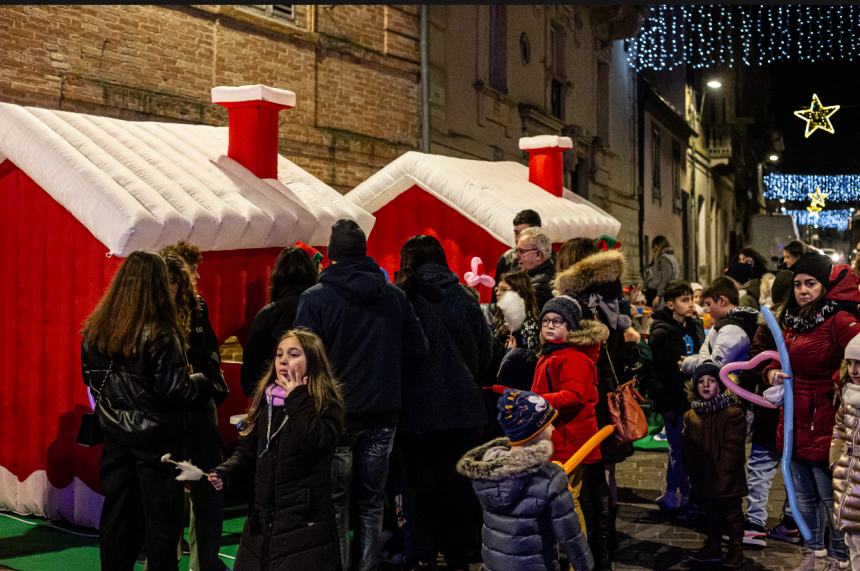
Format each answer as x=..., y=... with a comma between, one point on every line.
x=204, y=352
x=146, y=399
x=290, y=521
x=272, y=321
x=528, y=509
x=670, y=341
x=442, y=391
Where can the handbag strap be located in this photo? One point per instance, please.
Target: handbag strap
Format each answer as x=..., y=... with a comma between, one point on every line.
x=611, y=365
x=103, y=383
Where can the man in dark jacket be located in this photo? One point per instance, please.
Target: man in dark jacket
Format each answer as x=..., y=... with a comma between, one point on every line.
x=674, y=334
x=367, y=326
x=508, y=261
x=534, y=256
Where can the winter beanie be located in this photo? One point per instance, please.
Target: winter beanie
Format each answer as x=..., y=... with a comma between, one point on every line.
x=739, y=272
x=706, y=368
x=852, y=350
x=347, y=241
x=314, y=254
x=523, y=415
x=782, y=285
x=815, y=265
x=565, y=306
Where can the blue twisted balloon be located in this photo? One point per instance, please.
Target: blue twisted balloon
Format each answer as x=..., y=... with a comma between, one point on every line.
x=788, y=423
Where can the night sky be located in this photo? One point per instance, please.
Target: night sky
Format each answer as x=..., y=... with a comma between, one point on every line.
x=792, y=86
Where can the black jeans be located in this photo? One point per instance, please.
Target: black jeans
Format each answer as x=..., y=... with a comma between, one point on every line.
x=207, y=504
x=725, y=516
x=443, y=511
x=597, y=511
x=143, y=506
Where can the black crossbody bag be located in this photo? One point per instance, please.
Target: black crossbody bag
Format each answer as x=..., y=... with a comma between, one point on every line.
x=90, y=432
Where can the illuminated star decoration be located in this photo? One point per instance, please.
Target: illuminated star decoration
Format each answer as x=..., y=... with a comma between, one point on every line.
x=817, y=116
x=816, y=200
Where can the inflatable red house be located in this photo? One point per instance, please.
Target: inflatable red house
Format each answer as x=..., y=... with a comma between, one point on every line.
x=80, y=193
x=469, y=205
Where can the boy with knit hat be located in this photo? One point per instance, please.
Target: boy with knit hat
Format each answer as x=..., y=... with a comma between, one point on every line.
x=714, y=436
x=527, y=508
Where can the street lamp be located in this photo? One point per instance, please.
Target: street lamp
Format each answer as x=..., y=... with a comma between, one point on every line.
x=773, y=157
x=712, y=84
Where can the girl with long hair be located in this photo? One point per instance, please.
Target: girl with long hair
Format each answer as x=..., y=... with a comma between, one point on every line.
x=133, y=360
x=292, y=274
x=294, y=422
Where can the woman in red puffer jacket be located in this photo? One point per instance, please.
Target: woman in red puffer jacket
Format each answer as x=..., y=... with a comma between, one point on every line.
x=818, y=321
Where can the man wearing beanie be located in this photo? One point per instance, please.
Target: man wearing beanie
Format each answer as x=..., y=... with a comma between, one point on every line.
x=528, y=510
x=368, y=327
x=566, y=376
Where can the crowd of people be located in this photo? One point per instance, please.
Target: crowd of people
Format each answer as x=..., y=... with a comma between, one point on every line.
x=397, y=421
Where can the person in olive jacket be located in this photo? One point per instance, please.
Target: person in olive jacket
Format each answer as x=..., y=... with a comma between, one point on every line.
x=528, y=509
x=714, y=436
x=134, y=363
x=293, y=424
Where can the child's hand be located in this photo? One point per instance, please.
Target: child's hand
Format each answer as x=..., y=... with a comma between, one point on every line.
x=681, y=363
x=291, y=380
x=216, y=481
x=776, y=377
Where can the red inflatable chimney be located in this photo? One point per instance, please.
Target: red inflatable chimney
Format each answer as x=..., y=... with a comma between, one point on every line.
x=546, y=168
x=254, y=124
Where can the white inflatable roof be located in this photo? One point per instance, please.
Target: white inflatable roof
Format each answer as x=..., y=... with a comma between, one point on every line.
x=488, y=193
x=143, y=185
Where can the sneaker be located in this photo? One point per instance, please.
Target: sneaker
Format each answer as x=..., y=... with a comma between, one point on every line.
x=821, y=553
x=807, y=563
x=755, y=535
x=660, y=436
x=834, y=564
x=668, y=501
x=786, y=534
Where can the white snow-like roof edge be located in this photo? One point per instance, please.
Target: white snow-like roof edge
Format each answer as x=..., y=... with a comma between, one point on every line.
x=234, y=94
x=545, y=142
x=487, y=193
x=138, y=185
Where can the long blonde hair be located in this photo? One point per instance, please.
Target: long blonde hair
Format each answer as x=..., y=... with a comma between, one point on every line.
x=322, y=385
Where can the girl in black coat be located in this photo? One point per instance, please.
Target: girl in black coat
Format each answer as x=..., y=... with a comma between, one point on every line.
x=293, y=425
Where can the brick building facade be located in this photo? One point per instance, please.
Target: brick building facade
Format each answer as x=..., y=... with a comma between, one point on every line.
x=354, y=69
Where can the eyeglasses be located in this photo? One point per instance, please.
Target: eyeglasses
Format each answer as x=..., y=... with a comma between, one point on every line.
x=555, y=322
x=521, y=251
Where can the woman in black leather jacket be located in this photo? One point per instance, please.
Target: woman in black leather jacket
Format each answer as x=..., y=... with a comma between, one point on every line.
x=134, y=362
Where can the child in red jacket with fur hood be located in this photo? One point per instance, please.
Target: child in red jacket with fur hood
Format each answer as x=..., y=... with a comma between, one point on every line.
x=566, y=376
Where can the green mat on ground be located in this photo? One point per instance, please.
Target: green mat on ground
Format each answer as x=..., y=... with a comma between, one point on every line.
x=36, y=544
x=655, y=424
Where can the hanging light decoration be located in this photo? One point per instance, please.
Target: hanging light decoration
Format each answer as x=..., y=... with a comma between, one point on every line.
x=705, y=35
x=817, y=116
x=835, y=219
x=798, y=187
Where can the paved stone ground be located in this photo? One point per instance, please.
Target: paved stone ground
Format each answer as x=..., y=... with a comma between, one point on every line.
x=647, y=540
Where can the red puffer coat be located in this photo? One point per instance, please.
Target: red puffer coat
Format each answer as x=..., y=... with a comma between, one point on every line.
x=567, y=378
x=815, y=359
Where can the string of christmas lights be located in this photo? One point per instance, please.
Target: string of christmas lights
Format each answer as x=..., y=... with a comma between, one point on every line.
x=705, y=35
x=835, y=219
x=797, y=187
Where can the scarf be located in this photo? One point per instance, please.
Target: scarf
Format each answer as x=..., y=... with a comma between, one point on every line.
x=716, y=404
x=804, y=324
x=275, y=395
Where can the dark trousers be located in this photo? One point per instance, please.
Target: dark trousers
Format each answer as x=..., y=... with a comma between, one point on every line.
x=725, y=516
x=207, y=504
x=597, y=511
x=143, y=506
x=443, y=510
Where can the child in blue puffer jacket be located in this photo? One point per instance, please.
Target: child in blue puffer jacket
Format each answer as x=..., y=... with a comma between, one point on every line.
x=521, y=489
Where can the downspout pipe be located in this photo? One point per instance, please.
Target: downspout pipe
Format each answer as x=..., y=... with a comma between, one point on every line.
x=425, y=80
x=640, y=156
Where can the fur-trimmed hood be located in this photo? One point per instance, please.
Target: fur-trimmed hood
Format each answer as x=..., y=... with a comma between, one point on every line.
x=501, y=464
x=590, y=332
x=600, y=268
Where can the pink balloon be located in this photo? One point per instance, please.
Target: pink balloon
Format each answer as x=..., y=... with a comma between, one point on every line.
x=745, y=366
x=477, y=276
